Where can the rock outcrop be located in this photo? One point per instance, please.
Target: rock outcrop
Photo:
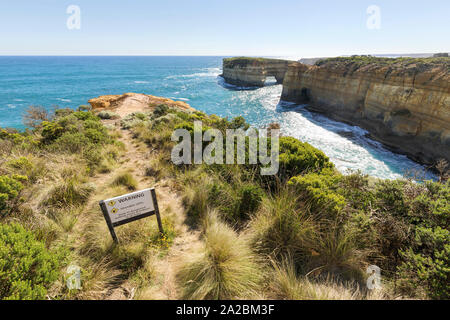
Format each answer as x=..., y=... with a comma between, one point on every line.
x=405, y=103
x=135, y=102
x=253, y=71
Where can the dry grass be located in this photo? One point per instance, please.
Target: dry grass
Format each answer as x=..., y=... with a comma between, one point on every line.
x=288, y=285
x=225, y=268
x=127, y=180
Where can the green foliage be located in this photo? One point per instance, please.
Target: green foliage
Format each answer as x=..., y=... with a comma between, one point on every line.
x=71, y=142
x=51, y=131
x=405, y=64
x=250, y=197
x=9, y=189
x=106, y=115
x=319, y=190
x=27, y=268
x=21, y=163
x=68, y=193
x=160, y=111
x=298, y=157
x=427, y=265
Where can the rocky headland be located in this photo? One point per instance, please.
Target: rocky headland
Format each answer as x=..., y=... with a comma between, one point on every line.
x=403, y=103
x=253, y=72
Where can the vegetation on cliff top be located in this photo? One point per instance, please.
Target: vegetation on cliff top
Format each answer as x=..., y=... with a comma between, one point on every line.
x=308, y=232
x=356, y=62
x=247, y=61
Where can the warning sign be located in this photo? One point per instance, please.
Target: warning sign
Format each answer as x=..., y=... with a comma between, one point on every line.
x=129, y=206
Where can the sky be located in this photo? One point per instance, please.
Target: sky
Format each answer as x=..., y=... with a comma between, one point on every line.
x=288, y=28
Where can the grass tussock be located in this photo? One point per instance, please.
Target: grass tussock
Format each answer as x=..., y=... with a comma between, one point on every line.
x=287, y=284
x=225, y=268
x=127, y=180
x=68, y=193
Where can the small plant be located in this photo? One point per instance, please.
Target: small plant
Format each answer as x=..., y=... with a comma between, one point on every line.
x=27, y=268
x=68, y=193
x=160, y=111
x=126, y=180
x=9, y=190
x=106, y=115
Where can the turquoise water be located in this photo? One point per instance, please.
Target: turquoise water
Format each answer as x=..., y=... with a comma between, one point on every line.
x=72, y=81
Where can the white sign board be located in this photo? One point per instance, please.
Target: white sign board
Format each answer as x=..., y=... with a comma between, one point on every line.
x=129, y=206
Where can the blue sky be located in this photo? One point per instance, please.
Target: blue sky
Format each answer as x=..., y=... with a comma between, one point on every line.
x=296, y=28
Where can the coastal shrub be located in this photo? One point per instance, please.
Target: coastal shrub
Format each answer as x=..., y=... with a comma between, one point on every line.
x=106, y=115
x=71, y=142
x=226, y=268
x=51, y=131
x=84, y=108
x=354, y=187
x=391, y=198
x=22, y=164
x=160, y=110
x=319, y=190
x=426, y=266
x=250, y=197
x=298, y=157
x=62, y=112
x=27, y=268
x=9, y=190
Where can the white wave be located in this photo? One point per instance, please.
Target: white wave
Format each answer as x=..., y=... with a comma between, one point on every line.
x=64, y=100
x=11, y=106
x=141, y=82
x=182, y=99
x=18, y=100
x=210, y=72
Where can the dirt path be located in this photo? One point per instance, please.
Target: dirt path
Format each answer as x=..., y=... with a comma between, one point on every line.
x=136, y=158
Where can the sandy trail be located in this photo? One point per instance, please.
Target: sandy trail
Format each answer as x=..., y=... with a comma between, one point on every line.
x=136, y=158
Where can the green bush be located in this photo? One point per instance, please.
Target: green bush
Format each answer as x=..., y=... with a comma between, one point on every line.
x=250, y=197
x=160, y=111
x=68, y=193
x=9, y=189
x=51, y=131
x=71, y=142
x=298, y=157
x=22, y=164
x=27, y=268
x=319, y=190
x=106, y=115
x=426, y=266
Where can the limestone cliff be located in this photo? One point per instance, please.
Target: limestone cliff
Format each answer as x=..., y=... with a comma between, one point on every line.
x=136, y=101
x=404, y=103
x=253, y=71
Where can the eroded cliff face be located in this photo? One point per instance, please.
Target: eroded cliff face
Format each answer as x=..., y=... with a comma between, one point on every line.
x=407, y=107
x=135, y=102
x=253, y=71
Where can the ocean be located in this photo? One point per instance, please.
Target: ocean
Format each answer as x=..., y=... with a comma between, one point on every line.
x=72, y=81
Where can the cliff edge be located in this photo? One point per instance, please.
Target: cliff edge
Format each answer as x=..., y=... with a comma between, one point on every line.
x=404, y=103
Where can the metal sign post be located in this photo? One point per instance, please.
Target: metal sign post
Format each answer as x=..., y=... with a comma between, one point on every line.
x=130, y=207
